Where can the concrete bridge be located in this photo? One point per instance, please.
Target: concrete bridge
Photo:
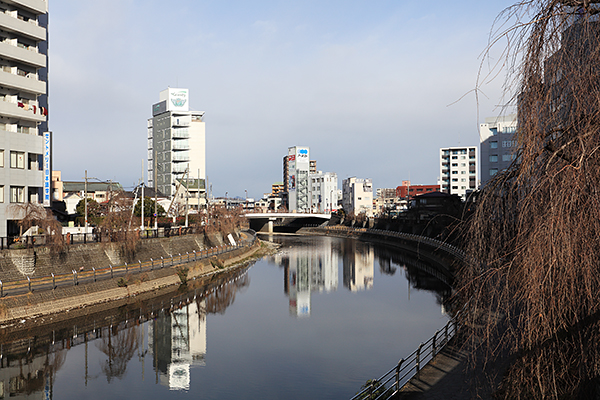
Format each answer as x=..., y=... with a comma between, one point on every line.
x=284, y=222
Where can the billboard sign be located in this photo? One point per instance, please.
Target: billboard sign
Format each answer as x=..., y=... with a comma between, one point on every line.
x=47, y=193
x=178, y=100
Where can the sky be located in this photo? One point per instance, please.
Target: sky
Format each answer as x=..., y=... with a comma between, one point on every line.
x=374, y=88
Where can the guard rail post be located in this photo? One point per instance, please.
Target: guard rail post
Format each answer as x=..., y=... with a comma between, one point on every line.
x=171, y=260
x=434, y=347
x=151, y=264
x=29, y=283
x=140, y=262
x=195, y=255
x=1, y=289
x=53, y=281
x=398, y=374
x=162, y=262
x=111, y=271
x=74, y=277
x=94, y=269
x=126, y=269
x=418, y=359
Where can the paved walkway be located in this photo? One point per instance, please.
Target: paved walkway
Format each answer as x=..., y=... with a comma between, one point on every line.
x=456, y=374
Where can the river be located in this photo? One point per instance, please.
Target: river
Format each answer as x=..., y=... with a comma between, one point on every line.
x=314, y=321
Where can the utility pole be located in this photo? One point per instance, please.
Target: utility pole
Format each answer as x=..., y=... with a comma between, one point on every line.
x=85, y=199
x=187, y=194
x=142, y=209
x=155, y=196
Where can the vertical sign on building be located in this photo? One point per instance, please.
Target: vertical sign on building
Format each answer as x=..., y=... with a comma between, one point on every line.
x=47, y=170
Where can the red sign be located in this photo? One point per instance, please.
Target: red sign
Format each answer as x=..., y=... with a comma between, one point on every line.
x=291, y=158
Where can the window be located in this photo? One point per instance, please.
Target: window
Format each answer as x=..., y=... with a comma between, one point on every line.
x=455, y=164
x=494, y=158
x=463, y=165
x=454, y=179
x=455, y=187
x=455, y=157
x=454, y=172
x=493, y=171
x=16, y=194
x=1, y=193
x=508, y=157
x=493, y=145
x=17, y=159
x=1, y=158
x=463, y=180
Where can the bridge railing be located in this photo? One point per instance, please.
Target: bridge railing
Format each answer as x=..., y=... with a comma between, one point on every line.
x=29, y=284
x=390, y=383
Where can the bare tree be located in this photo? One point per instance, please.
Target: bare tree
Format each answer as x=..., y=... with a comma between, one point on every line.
x=33, y=214
x=534, y=238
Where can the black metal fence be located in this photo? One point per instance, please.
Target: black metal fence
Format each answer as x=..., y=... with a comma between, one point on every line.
x=95, y=236
x=390, y=383
x=53, y=281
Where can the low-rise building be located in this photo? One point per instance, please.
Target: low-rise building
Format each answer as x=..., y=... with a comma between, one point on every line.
x=357, y=196
x=323, y=191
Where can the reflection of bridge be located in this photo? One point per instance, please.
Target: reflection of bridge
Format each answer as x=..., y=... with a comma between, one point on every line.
x=285, y=222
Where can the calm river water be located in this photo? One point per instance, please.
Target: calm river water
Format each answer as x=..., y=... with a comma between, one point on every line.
x=314, y=321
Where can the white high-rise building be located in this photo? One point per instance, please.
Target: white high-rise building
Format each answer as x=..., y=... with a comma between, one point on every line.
x=323, y=191
x=459, y=172
x=25, y=159
x=357, y=196
x=298, y=167
x=176, y=143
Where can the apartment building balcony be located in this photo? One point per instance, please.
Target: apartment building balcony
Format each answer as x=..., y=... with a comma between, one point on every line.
x=180, y=134
x=180, y=145
x=37, y=6
x=11, y=23
x=182, y=120
x=10, y=49
x=22, y=81
x=181, y=157
x=12, y=110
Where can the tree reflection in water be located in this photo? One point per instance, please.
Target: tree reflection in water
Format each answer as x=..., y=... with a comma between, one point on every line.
x=119, y=346
x=218, y=301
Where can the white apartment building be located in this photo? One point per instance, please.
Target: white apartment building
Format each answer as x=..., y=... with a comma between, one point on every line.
x=357, y=196
x=176, y=143
x=498, y=145
x=25, y=159
x=298, y=167
x=323, y=191
x=458, y=170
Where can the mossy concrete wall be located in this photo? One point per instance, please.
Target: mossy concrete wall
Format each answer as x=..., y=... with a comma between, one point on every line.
x=16, y=264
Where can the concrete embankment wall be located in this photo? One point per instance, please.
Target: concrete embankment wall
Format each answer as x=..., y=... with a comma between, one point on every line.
x=17, y=264
x=88, y=298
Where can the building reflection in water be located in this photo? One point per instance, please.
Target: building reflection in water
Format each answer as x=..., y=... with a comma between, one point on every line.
x=172, y=332
x=178, y=341
x=359, y=262
x=307, y=269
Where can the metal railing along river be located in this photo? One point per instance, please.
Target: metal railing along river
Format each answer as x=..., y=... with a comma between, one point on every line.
x=53, y=281
x=390, y=383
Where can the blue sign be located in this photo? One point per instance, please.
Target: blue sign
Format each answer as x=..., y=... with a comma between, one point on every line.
x=303, y=151
x=47, y=170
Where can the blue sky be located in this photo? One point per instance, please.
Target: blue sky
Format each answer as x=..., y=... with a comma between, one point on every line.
x=367, y=85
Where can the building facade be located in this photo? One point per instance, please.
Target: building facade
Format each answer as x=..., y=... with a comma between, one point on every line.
x=298, y=167
x=25, y=163
x=458, y=170
x=323, y=192
x=498, y=145
x=357, y=196
x=176, y=142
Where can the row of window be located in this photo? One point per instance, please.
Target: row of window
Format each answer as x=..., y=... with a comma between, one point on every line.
x=505, y=157
x=17, y=160
x=17, y=194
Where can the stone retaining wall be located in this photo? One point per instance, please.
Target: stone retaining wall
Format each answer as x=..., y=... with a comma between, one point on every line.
x=40, y=261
